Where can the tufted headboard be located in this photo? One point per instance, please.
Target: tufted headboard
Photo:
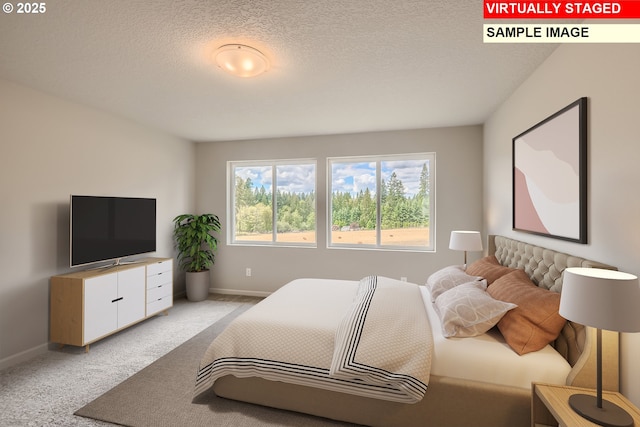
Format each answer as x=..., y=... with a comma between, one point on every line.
x=576, y=342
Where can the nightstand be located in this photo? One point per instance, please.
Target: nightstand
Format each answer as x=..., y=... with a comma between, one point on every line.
x=550, y=406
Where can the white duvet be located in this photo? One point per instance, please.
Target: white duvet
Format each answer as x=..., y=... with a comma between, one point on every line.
x=370, y=338
x=306, y=333
x=488, y=358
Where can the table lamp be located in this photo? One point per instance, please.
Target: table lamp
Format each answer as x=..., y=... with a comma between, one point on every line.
x=602, y=299
x=465, y=241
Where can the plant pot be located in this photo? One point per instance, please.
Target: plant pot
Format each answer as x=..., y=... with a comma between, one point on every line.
x=197, y=285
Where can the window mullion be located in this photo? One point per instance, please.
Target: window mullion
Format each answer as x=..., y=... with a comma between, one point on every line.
x=232, y=202
x=378, y=203
x=274, y=207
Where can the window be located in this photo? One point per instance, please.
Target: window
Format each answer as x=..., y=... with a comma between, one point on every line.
x=262, y=215
x=382, y=201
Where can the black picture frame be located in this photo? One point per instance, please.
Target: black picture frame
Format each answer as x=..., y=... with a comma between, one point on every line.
x=549, y=179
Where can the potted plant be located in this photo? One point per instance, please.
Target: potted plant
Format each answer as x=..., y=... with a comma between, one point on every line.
x=196, y=245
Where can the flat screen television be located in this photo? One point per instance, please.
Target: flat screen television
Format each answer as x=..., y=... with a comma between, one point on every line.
x=110, y=228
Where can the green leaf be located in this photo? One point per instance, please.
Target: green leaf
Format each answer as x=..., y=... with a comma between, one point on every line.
x=194, y=240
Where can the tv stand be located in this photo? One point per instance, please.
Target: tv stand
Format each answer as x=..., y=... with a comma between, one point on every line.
x=116, y=263
x=89, y=305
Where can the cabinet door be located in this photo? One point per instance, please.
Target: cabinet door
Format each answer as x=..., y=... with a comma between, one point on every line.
x=100, y=308
x=131, y=290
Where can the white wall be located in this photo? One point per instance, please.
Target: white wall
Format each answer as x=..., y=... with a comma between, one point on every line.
x=51, y=149
x=608, y=76
x=458, y=206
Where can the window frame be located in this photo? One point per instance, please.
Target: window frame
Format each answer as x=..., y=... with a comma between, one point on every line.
x=378, y=159
x=231, y=199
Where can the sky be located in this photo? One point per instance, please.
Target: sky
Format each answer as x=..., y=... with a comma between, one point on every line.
x=347, y=175
x=293, y=178
x=353, y=177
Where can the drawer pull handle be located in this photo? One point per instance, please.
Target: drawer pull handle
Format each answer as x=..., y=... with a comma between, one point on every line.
x=117, y=299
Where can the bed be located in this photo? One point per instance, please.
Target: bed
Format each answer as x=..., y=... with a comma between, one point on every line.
x=327, y=357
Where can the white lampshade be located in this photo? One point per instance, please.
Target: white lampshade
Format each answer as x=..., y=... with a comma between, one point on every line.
x=465, y=241
x=603, y=299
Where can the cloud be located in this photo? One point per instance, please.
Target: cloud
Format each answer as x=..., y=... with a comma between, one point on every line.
x=296, y=178
x=347, y=176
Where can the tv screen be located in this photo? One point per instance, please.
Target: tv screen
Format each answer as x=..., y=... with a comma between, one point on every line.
x=110, y=228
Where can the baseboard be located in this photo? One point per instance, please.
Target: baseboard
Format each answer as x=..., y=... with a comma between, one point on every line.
x=239, y=292
x=23, y=356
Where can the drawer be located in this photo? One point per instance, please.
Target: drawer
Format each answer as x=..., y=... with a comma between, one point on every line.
x=159, y=292
x=160, y=267
x=158, y=305
x=159, y=279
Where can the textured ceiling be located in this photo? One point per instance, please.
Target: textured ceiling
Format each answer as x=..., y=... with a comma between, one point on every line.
x=337, y=66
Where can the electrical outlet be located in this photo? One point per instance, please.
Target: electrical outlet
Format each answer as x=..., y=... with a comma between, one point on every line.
x=248, y=272
x=403, y=279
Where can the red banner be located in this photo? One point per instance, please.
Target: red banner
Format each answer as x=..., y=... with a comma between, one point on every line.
x=516, y=9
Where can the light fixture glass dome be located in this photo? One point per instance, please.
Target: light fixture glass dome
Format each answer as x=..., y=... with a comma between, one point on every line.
x=241, y=60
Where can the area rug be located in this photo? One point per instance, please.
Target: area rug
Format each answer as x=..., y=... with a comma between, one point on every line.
x=161, y=395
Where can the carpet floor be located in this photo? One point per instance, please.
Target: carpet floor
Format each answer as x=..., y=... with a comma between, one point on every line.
x=47, y=389
x=161, y=395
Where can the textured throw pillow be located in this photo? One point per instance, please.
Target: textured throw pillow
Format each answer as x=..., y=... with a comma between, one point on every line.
x=467, y=310
x=489, y=268
x=536, y=321
x=447, y=278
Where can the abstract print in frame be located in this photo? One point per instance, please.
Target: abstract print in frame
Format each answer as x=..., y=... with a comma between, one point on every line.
x=550, y=176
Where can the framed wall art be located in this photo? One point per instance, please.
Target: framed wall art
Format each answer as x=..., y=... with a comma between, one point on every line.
x=550, y=176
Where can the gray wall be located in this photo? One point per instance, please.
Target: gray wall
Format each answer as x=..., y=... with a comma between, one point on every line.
x=51, y=149
x=608, y=76
x=458, y=206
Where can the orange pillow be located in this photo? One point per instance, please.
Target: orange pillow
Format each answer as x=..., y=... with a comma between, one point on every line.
x=535, y=322
x=488, y=268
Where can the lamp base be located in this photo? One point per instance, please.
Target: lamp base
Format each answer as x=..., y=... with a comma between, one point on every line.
x=610, y=415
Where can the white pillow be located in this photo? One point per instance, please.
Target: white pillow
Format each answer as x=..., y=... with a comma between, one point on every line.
x=468, y=310
x=447, y=278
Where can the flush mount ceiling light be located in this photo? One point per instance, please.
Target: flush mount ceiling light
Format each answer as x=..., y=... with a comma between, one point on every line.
x=241, y=60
